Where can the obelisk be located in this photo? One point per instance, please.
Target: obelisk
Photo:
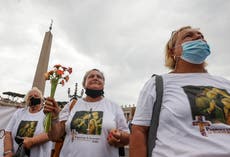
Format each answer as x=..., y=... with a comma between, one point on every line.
x=39, y=79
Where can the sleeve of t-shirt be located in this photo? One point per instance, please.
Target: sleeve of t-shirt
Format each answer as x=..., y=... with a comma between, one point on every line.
x=64, y=114
x=13, y=120
x=120, y=120
x=145, y=104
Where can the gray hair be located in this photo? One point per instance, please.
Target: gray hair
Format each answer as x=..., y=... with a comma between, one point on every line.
x=87, y=73
x=26, y=98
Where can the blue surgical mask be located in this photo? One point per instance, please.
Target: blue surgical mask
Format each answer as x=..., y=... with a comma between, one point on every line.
x=195, y=51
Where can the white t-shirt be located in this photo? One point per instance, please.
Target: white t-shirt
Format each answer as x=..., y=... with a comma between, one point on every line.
x=87, y=128
x=194, y=119
x=26, y=124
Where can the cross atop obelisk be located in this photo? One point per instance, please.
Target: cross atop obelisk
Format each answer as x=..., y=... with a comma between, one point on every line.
x=39, y=80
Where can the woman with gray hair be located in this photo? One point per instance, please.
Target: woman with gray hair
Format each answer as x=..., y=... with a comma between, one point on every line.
x=25, y=129
x=94, y=126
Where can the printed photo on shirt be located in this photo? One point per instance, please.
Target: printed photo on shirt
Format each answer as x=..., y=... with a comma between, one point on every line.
x=87, y=122
x=209, y=105
x=26, y=128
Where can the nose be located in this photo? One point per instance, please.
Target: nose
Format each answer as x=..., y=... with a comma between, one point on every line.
x=198, y=36
x=95, y=77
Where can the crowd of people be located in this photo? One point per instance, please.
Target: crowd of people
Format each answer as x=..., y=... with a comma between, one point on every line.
x=194, y=116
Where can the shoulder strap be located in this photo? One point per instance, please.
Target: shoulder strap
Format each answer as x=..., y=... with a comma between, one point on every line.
x=155, y=115
x=73, y=102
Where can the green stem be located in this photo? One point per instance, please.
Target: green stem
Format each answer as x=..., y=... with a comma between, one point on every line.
x=48, y=122
x=48, y=118
x=54, y=83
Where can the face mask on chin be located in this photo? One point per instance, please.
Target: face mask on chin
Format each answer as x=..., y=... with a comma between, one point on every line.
x=195, y=52
x=34, y=101
x=94, y=93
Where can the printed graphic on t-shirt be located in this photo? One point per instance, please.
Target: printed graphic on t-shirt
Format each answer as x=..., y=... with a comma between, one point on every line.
x=87, y=122
x=26, y=128
x=209, y=105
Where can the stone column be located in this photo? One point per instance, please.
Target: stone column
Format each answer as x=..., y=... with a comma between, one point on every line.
x=39, y=80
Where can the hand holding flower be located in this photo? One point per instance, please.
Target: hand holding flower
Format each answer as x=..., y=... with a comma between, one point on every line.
x=51, y=106
x=59, y=75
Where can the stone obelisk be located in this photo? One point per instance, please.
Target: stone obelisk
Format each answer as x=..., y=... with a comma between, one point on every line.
x=39, y=79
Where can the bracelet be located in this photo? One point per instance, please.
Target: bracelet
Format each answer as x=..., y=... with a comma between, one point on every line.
x=120, y=137
x=7, y=152
x=55, y=119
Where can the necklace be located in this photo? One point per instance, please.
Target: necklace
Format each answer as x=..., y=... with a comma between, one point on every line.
x=92, y=106
x=92, y=112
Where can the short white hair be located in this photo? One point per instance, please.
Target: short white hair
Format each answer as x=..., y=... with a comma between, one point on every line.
x=26, y=98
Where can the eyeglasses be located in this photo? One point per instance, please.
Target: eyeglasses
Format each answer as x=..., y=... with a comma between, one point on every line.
x=2, y=133
x=172, y=35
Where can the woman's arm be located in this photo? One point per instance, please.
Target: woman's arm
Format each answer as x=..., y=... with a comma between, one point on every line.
x=8, y=145
x=57, y=130
x=38, y=139
x=138, y=141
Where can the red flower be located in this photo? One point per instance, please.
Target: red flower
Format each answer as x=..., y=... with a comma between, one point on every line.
x=60, y=72
x=57, y=66
x=66, y=78
x=59, y=75
x=64, y=68
x=69, y=70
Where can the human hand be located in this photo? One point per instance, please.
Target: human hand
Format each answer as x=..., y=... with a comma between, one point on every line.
x=28, y=142
x=52, y=107
x=114, y=137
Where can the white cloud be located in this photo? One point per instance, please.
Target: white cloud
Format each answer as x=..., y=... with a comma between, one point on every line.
x=123, y=38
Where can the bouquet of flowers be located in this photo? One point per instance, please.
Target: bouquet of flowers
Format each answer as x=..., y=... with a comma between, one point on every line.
x=59, y=75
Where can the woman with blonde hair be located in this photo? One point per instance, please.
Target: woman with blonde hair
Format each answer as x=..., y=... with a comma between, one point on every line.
x=184, y=130
x=25, y=129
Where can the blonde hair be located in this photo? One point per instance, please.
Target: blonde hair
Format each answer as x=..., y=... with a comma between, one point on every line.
x=26, y=98
x=170, y=62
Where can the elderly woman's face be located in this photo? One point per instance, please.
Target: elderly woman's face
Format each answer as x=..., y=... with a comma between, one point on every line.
x=184, y=36
x=94, y=80
x=34, y=98
x=34, y=94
